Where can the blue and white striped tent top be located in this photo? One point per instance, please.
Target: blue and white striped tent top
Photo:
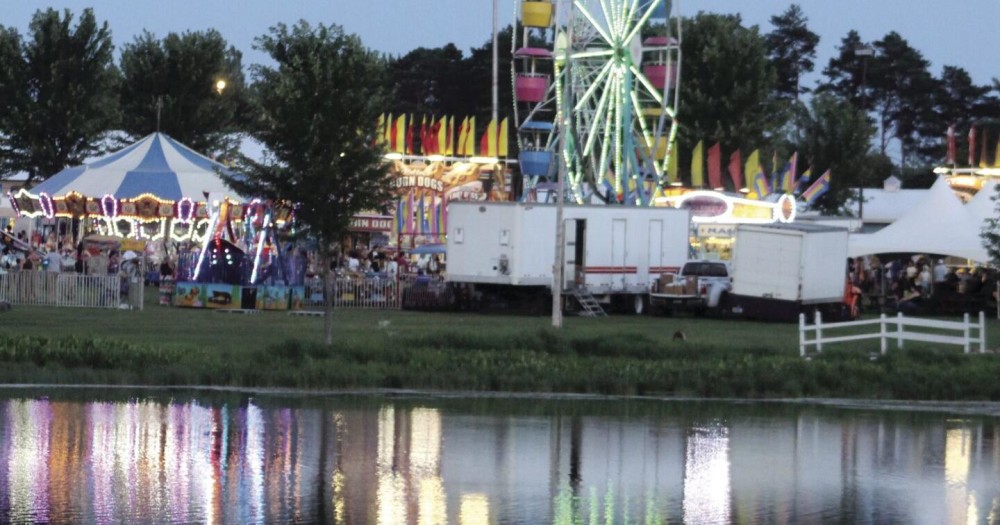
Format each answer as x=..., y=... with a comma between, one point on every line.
x=157, y=164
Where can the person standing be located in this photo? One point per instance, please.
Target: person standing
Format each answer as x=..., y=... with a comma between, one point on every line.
x=940, y=271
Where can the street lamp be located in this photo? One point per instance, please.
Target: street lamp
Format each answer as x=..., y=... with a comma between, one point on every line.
x=220, y=86
x=864, y=52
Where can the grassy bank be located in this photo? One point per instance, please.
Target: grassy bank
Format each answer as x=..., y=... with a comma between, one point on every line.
x=376, y=349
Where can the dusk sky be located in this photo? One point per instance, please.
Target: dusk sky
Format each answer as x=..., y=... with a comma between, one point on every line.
x=962, y=33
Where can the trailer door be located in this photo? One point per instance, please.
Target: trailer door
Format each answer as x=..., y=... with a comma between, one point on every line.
x=618, y=253
x=574, y=273
x=655, y=254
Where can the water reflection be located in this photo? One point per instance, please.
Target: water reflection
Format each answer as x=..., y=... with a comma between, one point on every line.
x=434, y=461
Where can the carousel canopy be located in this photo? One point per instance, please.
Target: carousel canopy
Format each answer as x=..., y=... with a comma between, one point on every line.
x=157, y=165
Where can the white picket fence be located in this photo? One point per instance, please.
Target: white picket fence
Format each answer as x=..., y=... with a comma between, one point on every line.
x=39, y=288
x=383, y=294
x=965, y=328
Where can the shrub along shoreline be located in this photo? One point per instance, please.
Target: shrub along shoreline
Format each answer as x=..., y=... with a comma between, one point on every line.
x=631, y=356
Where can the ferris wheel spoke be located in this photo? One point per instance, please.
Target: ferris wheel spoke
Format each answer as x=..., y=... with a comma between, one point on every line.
x=594, y=131
x=593, y=22
x=594, y=85
x=641, y=22
x=595, y=53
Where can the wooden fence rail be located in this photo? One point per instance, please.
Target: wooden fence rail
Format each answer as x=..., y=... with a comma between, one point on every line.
x=38, y=288
x=900, y=334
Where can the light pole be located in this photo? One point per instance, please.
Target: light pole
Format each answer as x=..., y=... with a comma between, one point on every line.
x=864, y=52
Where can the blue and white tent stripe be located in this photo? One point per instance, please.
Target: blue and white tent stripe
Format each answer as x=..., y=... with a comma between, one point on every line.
x=157, y=165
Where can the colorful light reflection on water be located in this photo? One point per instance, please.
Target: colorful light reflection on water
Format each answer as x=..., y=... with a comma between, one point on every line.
x=153, y=459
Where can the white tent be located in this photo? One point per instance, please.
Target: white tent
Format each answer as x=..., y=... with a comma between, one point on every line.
x=938, y=225
x=982, y=206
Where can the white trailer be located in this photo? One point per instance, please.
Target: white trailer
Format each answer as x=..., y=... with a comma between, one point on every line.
x=782, y=270
x=502, y=252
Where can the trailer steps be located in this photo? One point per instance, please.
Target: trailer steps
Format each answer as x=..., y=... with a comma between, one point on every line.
x=591, y=308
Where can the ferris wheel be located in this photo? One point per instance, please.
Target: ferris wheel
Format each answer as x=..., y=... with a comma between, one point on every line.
x=596, y=94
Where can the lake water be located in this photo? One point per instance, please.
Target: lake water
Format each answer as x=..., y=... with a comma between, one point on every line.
x=117, y=456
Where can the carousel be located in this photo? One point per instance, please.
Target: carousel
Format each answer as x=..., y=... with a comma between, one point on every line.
x=169, y=202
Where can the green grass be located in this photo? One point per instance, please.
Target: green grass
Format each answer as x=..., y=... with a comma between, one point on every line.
x=390, y=349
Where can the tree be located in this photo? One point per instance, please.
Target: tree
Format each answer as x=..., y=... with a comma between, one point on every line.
x=990, y=233
x=179, y=73
x=894, y=83
x=836, y=136
x=57, y=88
x=317, y=111
x=792, y=48
x=726, y=85
x=428, y=81
x=844, y=72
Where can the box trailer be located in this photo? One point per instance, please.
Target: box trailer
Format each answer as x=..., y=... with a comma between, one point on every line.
x=782, y=270
x=502, y=252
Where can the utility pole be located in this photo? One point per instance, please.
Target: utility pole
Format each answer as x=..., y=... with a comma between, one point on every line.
x=559, y=266
x=863, y=52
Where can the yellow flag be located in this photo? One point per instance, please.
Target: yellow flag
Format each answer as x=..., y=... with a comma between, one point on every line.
x=470, y=138
x=463, y=132
x=698, y=165
x=491, y=140
x=442, y=136
x=996, y=155
x=388, y=132
x=451, y=136
x=502, y=147
x=751, y=169
x=399, y=140
x=673, y=165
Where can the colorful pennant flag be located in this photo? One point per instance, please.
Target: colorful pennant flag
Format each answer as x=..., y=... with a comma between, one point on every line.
x=804, y=179
x=380, y=130
x=389, y=126
x=488, y=142
x=773, y=179
x=502, y=147
x=400, y=211
x=715, y=167
x=972, y=146
x=788, y=174
x=698, y=165
x=735, y=165
x=996, y=154
x=951, y=145
x=399, y=135
x=982, y=151
x=408, y=213
x=463, y=132
x=818, y=188
x=409, y=137
x=450, y=137
x=470, y=139
x=673, y=164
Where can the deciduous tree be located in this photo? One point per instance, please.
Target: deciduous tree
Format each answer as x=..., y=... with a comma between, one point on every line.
x=57, y=90
x=180, y=73
x=317, y=111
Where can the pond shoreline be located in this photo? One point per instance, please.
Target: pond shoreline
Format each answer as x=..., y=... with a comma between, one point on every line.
x=971, y=408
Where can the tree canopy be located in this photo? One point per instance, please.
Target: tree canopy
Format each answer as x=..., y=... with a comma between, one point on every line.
x=792, y=48
x=57, y=87
x=180, y=74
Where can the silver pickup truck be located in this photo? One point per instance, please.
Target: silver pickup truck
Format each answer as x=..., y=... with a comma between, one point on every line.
x=698, y=287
